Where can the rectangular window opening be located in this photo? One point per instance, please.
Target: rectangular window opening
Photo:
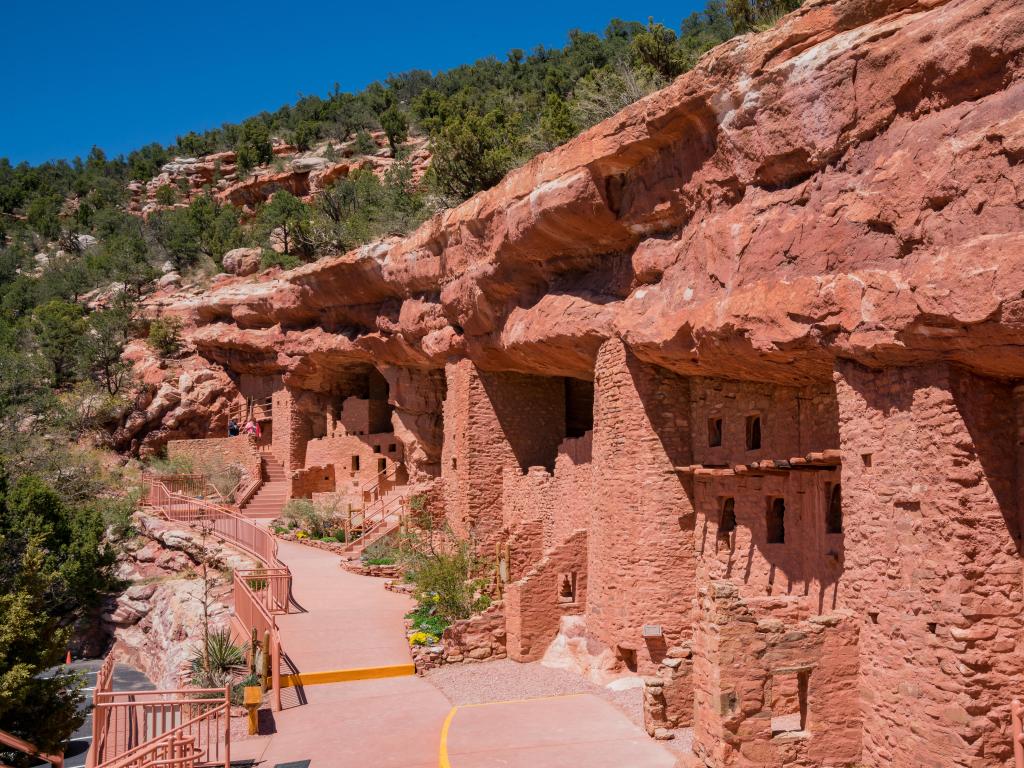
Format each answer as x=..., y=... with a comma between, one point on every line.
x=753, y=433
x=714, y=432
x=355, y=463
x=628, y=657
x=567, y=587
x=376, y=449
x=789, y=702
x=727, y=521
x=776, y=521
x=834, y=516
x=382, y=464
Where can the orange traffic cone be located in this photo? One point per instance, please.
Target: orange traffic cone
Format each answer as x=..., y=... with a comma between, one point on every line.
x=68, y=659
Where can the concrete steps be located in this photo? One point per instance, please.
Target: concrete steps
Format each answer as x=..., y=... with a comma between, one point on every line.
x=270, y=499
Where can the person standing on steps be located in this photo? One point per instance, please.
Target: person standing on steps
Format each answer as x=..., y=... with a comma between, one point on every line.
x=252, y=428
x=232, y=427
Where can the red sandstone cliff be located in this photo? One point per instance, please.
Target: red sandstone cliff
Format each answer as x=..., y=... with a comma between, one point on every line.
x=847, y=184
x=821, y=224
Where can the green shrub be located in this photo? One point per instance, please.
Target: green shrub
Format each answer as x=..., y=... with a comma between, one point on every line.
x=177, y=465
x=380, y=552
x=166, y=195
x=443, y=580
x=318, y=520
x=225, y=660
x=165, y=336
x=272, y=258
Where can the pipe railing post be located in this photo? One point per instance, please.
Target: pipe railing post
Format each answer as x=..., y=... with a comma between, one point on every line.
x=1017, y=732
x=275, y=671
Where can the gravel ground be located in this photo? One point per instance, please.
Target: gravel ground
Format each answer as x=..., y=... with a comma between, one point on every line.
x=505, y=680
x=508, y=681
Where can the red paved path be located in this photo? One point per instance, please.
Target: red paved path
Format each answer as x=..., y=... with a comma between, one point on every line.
x=351, y=621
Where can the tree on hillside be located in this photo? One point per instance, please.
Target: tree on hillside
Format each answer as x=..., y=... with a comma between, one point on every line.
x=475, y=153
x=395, y=127
x=42, y=215
x=556, y=122
x=55, y=567
x=57, y=327
x=656, y=48
x=286, y=214
x=253, y=147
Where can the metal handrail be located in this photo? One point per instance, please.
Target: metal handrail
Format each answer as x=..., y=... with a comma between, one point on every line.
x=252, y=538
x=156, y=711
x=12, y=741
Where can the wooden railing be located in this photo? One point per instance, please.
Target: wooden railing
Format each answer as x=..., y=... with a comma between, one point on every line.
x=258, y=409
x=12, y=741
x=374, y=518
x=259, y=594
x=383, y=482
x=173, y=729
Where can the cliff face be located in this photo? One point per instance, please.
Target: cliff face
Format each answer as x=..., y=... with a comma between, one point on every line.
x=848, y=184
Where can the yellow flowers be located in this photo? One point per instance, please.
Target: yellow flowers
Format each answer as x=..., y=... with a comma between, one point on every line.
x=422, y=638
x=301, y=535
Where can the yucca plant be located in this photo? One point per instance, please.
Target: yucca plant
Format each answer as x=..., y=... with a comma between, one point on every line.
x=221, y=663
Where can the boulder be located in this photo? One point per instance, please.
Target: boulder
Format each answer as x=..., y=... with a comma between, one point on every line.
x=242, y=261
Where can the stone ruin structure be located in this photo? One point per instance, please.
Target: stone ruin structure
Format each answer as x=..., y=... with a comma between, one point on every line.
x=733, y=381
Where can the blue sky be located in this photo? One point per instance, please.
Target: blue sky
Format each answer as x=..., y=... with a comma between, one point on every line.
x=121, y=74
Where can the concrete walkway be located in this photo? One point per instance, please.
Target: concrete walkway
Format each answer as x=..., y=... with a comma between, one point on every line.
x=350, y=621
x=406, y=722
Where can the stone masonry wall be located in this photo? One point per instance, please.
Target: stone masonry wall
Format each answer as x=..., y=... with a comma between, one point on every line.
x=807, y=564
x=641, y=561
x=493, y=421
x=933, y=561
x=744, y=649
x=535, y=604
x=239, y=451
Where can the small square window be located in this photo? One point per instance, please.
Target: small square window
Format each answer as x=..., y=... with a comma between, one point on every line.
x=392, y=447
x=376, y=449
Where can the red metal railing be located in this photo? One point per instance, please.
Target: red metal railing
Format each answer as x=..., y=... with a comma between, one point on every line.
x=12, y=741
x=1017, y=732
x=259, y=593
x=177, y=729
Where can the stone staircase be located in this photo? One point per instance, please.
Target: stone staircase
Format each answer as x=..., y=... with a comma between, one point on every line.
x=270, y=499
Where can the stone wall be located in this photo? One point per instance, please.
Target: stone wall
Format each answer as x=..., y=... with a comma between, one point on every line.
x=745, y=648
x=930, y=497
x=808, y=563
x=554, y=587
x=641, y=562
x=227, y=451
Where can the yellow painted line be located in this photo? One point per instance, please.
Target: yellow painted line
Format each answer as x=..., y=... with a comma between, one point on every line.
x=520, y=701
x=442, y=760
x=347, y=675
